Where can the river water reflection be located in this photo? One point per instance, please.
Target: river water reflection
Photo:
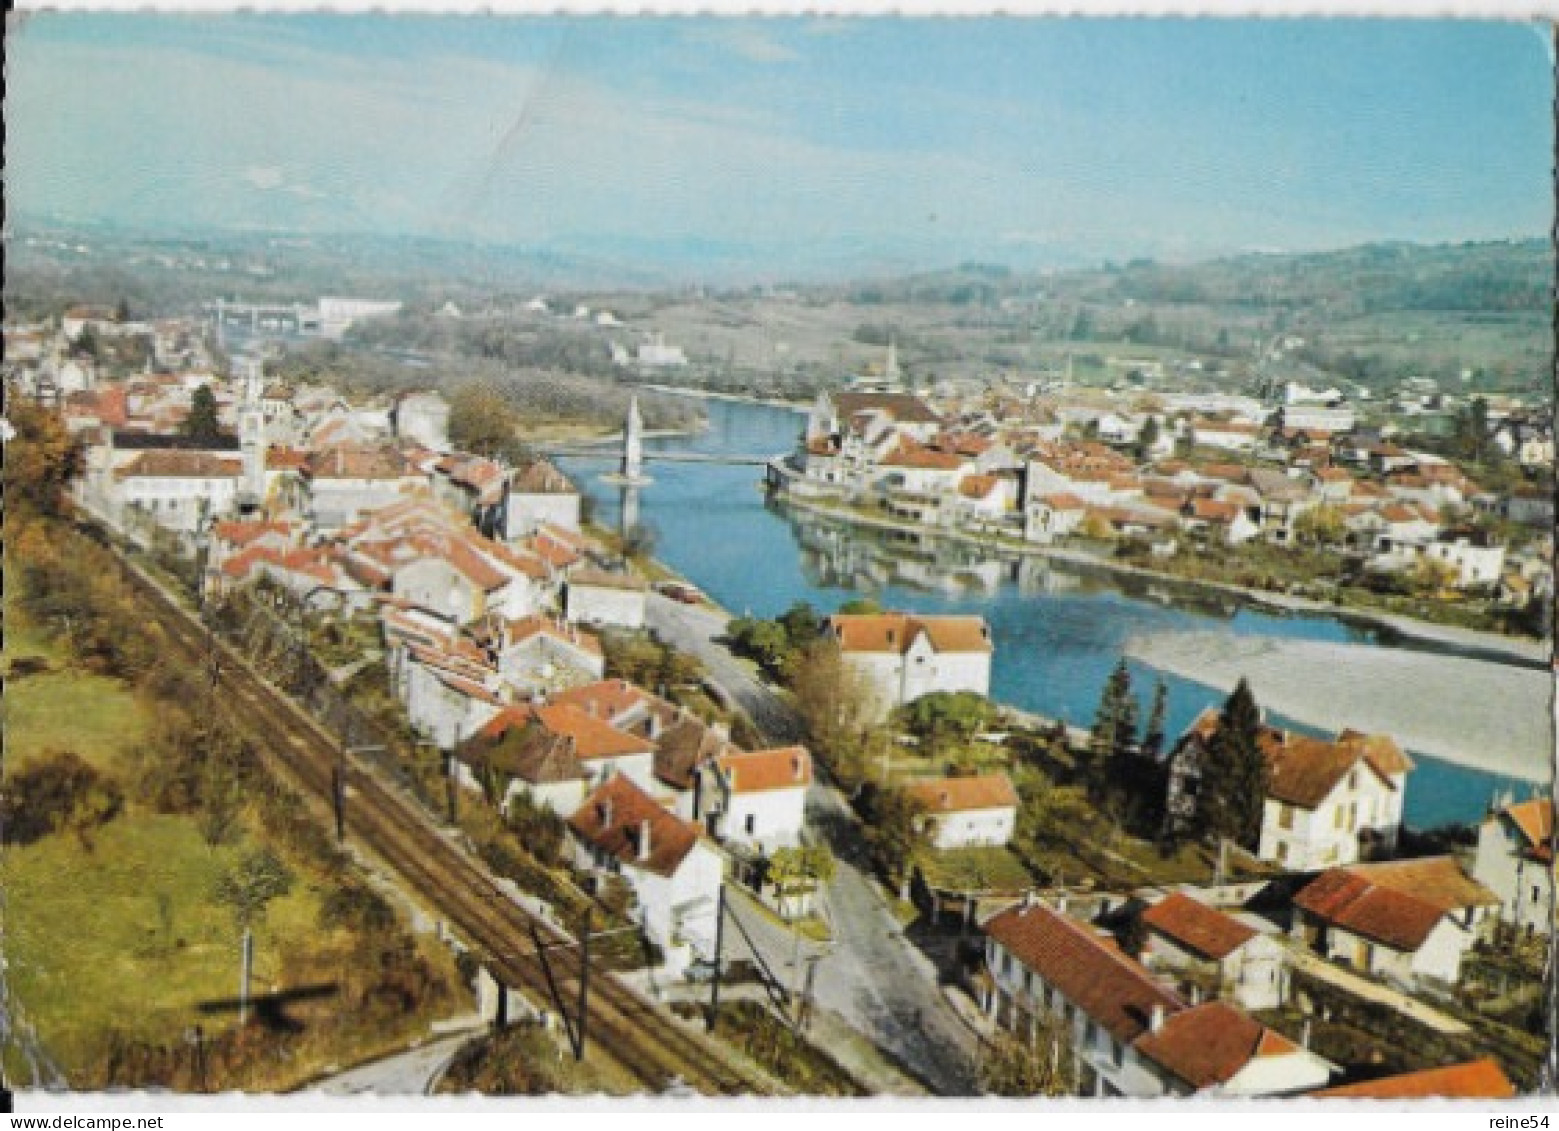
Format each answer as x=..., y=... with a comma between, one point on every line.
x=1058, y=629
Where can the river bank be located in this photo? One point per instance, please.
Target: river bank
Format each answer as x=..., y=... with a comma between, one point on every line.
x=1505, y=648
x=730, y=398
x=1475, y=713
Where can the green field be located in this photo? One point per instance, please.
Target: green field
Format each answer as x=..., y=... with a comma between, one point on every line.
x=120, y=931
x=127, y=936
x=63, y=707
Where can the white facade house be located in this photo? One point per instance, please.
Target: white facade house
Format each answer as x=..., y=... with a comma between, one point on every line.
x=593, y=596
x=1050, y=517
x=536, y=653
x=540, y=495
x=423, y=418
x=1407, y=921
x=675, y=875
x=900, y=657
x=1331, y=802
x=756, y=799
x=1247, y=967
x=1129, y=1034
x=1476, y=559
x=1515, y=861
x=180, y=490
x=966, y=812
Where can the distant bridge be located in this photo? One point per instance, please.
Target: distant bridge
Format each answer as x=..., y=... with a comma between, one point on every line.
x=614, y=455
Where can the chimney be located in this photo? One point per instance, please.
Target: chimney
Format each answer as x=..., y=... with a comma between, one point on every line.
x=605, y=809
x=1061, y=903
x=644, y=839
x=1156, y=1017
x=1304, y=1034
x=1028, y=899
x=795, y=766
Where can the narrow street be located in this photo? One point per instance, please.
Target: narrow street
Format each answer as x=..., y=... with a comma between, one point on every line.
x=872, y=976
x=412, y=1073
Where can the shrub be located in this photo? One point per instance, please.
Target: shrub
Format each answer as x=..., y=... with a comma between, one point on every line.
x=60, y=791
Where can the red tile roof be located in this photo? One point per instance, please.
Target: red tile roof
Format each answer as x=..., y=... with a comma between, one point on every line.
x=909, y=454
x=902, y=407
x=759, y=771
x=1063, y=501
x=608, y=699
x=1092, y=974
x=593, y=737
x=1209, y=1044
x=1397, y=903
x=1535, y=821
x=1204, y=930
x=895, y=632
x=180, y=465
x=617, y=815
x=964, y=795
x=1473, y=1080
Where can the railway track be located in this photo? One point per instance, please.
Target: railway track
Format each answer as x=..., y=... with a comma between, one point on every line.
x=655, y=1048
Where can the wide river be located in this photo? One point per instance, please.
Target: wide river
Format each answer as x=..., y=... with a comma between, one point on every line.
x=1058, y=630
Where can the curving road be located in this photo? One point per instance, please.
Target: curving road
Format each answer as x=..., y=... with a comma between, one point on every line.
x=873, y=977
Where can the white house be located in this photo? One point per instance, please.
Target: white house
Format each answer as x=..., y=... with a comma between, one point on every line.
x=966, y=812
x=674, y=874
x=901, y=656
x=180, y=490
x=1408, y=921
x=341, y=483
x=1129, y=1034
x=537, y=653
x=540, y=495
x=756, y=799
x=594, y=596
x=422, y=418
x=1185, y=934
x=605, y=751
x=446, y=700
x=1052, y=516
x=1476, y=558
x=1515, y=861
x=1331, y=802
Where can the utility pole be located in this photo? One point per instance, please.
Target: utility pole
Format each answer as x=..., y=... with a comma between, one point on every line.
x=584, y=986
x=714, y=986
x=245, y=972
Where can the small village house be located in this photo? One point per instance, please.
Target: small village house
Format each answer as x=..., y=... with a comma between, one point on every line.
x=675, y=875
x=1407, y=921
x=966, y=812
x=901, y=656
x=756, y=799
x=1515, y=861
x=1129, y=1034
x=1240, y=963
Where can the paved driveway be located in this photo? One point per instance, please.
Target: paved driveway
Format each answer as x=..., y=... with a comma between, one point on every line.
x=406, y=1074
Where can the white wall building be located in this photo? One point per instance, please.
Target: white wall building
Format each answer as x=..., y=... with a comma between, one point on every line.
x=965, y=812
x=756, y=799
x=593, y=596
x=1407, y=921
x=674, y=873
x=1129, y=1034
x=1515, y=861
x=900, y=656
x=1185, y=934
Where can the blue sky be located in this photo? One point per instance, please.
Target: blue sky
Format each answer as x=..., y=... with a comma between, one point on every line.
x=1030, y=140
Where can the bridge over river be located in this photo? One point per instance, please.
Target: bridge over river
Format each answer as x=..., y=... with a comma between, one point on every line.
x=615, y=455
